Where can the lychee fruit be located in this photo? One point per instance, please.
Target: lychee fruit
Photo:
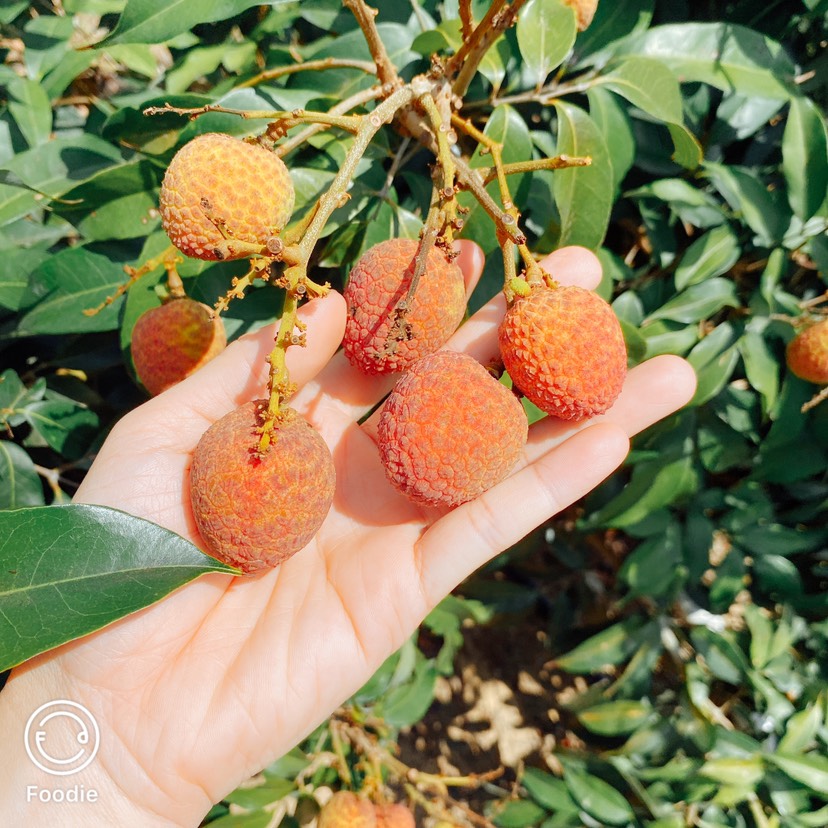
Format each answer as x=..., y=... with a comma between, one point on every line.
x=807, y=353
x=584, y=11
x=347, y=810
x=379, y=341
x=564, y=350
x=255, y=510
x=394, y=816
x=449, y=430
x=173, y=340
x=219, y=191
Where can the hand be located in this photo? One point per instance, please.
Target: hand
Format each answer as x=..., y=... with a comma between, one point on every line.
x=199, y=692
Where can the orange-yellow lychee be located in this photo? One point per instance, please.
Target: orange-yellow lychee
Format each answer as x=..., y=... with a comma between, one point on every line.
x=584, y=11
x=347, y=810
x=807, y=353
x=449, y=430
x=564, y=350
x=394, y=816
x=220, y=195
x=378, y=282
x=255, y=510
x=174, y=340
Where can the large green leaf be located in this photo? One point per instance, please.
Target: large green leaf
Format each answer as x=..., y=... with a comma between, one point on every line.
x=148, y=21
x=19, y=481
x=608, y=647
x=583, y=194
x=805, y=158
x=66, y=571
x=598, y=798
x=712, y=254
x=729, y=57
x=79, y=280
x=546, y=30
x=810, y=770
x=698, y=302
x=648, y=84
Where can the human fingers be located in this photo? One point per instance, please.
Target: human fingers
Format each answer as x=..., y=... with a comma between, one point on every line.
x=464, y=539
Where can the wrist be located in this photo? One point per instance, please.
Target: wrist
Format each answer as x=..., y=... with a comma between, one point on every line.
x=56, y=766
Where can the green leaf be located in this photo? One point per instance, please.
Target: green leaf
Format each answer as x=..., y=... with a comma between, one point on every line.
x=649, y=85
x=148, y=21
x=762, y=210
x=599, y=799
x=31, y=109
x=615, y=718
x=81, y=280
x=548, y=791
x=712, y=254
x=698, y=302
x=608, y=647
x=801, y=730
x=66, y=571
x=731, y=770
x=583, y=194
x=19, y=481
x=809, y=770
x=519, y=814
x=68, y=427
x=609, y=116
x=730, y=57
x=57, y=166
x=651, y=567
x=260, y=796
x=408, y=703
x=546, y=30
x=689, y=203
x=761, y=367
x=805, y=158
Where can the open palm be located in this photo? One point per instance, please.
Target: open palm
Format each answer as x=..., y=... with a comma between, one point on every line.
x=202, y=690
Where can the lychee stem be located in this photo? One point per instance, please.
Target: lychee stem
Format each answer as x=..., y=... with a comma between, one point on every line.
x=169, y=254
x=307, y=66
x=364, y=14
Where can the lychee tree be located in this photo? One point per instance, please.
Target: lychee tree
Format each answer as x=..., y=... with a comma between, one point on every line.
x=689, y=151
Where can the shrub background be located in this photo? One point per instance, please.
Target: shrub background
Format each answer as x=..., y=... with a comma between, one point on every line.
x=674, y=622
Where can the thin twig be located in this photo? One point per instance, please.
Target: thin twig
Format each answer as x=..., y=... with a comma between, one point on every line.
x=386, y=71
x=309, y=65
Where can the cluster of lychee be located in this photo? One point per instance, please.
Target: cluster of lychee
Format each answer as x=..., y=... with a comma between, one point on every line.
x=449, y=430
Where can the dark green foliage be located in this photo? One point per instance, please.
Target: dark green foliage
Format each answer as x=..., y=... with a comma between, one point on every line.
x=706, y=201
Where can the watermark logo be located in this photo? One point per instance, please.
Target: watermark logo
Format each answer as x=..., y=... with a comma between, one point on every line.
x=61, y=737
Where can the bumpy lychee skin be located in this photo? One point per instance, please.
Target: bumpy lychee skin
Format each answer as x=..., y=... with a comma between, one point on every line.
x=564, y=350
x=394, y=816
x=347, y=810
x=807, y=353
x=378, y=281
x=174, y=340
x=449, y=430
x=219, y=188
x=254, y=511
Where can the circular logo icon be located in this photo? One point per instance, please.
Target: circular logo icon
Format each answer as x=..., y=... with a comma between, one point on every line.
x=61, y=737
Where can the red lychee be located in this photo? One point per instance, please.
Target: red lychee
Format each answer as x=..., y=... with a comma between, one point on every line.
x=378, y=281
x=564, y=350
x=174, y=340
x=255, y=510
x=347, y=810
x=449, y=430
x=394, y=816
x=218, y=191
x=807, y=353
